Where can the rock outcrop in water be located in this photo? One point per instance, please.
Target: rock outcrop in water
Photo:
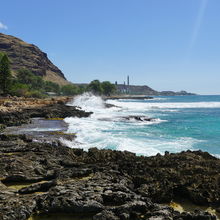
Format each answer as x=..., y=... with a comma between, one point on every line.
x=102, y=184
x=138, y=118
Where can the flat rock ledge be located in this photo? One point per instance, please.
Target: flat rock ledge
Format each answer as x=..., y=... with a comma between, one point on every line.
x=104, y=184
x=54, y=111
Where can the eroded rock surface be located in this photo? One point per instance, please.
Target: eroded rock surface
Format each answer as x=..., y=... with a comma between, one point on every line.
x=104, y=184
x=58, y=110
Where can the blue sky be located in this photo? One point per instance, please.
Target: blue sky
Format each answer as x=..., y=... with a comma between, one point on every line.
x=165, y=44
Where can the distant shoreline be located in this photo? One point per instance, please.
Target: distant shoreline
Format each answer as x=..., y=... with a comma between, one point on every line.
x=142, y=97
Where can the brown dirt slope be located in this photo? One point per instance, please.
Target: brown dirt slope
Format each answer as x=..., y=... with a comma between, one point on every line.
x=29, y=56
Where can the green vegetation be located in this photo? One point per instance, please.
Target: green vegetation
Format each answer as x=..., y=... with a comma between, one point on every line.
x=5, y=74
x=101, y=88
x=26, y=77
x=70, y=90
x=108, y=88
x=95, y=87
x=51, y=87
x=29, y=85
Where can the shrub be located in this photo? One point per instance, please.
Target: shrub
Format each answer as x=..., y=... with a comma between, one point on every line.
x=19, y=89
x=25, y=76
x=70, y=90
x=36, y=94
x=51, y=87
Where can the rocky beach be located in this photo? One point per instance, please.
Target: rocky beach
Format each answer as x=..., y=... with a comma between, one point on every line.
x=110, y=110
x=48, y=180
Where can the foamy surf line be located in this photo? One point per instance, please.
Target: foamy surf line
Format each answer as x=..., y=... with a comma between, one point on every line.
x=140, y=147
x=165, y=105
x=105, y=128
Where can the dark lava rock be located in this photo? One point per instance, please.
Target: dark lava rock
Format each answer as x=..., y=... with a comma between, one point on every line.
x=58, y=111
x=14, y=118
x=106, y=215
x=103, y=184
x=138, y=118
x=39, y=187
x=50, y=111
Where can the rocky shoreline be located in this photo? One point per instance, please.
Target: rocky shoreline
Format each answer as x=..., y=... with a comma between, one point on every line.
x=39, y=178
x=20, y=112
x=102, y=184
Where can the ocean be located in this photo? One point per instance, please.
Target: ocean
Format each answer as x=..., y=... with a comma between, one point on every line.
x=179, y=123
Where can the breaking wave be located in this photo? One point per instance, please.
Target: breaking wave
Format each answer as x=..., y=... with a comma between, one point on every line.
x=107, y=127
x=164, y=105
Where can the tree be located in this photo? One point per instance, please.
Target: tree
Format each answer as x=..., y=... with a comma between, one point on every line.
x=1, y=55
x=5, y=74
x=25, y=76
x=95, y=87
x=70, y=90
x=108, y=88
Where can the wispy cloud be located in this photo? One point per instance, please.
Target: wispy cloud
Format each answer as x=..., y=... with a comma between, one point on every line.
x=3, y=26
x=196, y=29
x=198, y=23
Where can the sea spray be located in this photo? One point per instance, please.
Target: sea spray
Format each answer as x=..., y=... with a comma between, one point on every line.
x=88, y=102
x=107, y=127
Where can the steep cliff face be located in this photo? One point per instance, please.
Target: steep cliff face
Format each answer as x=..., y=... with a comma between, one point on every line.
x=29, y=56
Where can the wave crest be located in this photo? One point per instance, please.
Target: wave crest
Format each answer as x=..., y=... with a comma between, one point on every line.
x=88, y=102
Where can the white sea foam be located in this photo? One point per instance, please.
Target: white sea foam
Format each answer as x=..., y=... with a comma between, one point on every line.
x=157, y=99
x=108, y=128
x=101, y=136
x=88, y=102
x=216, y=155
x=164, y=105
x=151, y=147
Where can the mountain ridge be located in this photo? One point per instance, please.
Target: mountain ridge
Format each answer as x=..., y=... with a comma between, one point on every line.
x=29, y=56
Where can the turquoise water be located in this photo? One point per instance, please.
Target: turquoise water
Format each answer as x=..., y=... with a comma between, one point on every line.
x=181, y=123
x=201, y=124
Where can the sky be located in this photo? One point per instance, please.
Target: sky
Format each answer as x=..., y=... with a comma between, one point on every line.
x=165, y=44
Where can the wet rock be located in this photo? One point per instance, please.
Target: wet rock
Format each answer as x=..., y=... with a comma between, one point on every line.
x=16, y=118
x=105, y=215
x=138, y=118
x=40, y=187
x=196, y=215
x=107, y=105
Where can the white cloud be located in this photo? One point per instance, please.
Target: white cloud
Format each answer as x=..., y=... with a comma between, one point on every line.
x=3, y=26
